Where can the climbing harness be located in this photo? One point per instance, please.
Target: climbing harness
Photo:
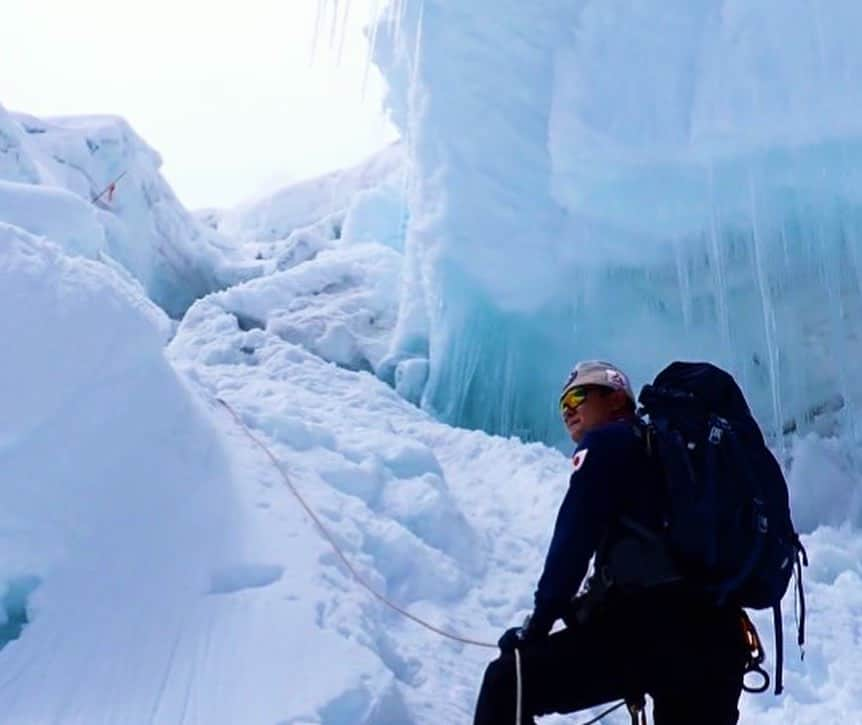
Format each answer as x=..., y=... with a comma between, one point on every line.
x=377, y=595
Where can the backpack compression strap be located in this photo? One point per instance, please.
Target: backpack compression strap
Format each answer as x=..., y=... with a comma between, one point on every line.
x=801, y=559
x=779, y=648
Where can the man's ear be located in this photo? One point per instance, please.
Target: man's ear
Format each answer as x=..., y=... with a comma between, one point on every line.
x=620, y=400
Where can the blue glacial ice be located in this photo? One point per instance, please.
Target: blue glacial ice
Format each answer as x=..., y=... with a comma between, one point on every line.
x=631, y=181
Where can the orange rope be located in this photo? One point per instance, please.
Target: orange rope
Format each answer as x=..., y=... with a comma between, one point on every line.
x=110, y=187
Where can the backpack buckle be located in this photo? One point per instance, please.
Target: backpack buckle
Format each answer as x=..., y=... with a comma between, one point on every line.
x=715, y=434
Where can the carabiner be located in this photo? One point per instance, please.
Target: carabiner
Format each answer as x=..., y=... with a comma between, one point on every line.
x=758, y=670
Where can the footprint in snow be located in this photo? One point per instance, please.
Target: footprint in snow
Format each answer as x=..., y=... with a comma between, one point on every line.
x=238, y=577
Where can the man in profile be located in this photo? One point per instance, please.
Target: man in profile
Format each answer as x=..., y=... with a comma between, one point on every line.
x=639, y=628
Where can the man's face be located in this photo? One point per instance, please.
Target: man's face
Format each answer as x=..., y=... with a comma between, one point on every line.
x=598, y=407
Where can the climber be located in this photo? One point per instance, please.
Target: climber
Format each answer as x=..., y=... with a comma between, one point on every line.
x=637, y=626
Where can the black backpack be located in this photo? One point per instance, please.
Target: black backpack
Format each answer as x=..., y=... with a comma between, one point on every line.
x=728, y=519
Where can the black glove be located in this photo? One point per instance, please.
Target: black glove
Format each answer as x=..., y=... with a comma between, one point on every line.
x=516, y=637
x=511, y=640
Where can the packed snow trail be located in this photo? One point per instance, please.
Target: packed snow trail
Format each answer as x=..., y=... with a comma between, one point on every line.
x=390, y=498
x=357, y=577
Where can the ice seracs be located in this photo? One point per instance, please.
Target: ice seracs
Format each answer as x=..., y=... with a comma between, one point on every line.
x=682, y=176
x=55, y=177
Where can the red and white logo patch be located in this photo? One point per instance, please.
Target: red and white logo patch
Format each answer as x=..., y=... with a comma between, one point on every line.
x=616, y=379
x=579, y=458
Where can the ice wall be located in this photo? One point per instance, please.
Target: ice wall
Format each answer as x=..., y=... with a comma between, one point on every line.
x=629, y=180
x=472, y=97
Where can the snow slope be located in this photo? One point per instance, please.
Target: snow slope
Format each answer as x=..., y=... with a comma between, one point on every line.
x=164, y=589
x=102, y=502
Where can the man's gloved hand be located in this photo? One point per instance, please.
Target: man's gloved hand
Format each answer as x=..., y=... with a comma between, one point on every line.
x=515, y=637
x=511, y=640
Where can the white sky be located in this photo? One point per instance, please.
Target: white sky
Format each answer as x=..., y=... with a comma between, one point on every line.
x=227, y=92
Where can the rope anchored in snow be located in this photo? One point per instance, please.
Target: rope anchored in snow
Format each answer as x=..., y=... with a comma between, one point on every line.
x=371, y=590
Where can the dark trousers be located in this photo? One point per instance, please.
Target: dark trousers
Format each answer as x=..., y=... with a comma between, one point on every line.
x=687, y=656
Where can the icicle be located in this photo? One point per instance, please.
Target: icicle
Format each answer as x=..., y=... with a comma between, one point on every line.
x=333, y=28
x=684, y=281
x=767, y=307
x=835, y=304
x=322, y=6
x=417, y=49
x=851, y=240
x=389, y=17
x=344, y=22
x=398, y=18
x=372, y=44
x=717, y=263
x=410, y=182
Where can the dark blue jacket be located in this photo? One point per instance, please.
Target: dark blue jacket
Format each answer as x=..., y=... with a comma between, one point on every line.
x=614, y=477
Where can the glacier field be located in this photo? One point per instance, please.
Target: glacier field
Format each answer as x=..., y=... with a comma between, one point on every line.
x=603, y=178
